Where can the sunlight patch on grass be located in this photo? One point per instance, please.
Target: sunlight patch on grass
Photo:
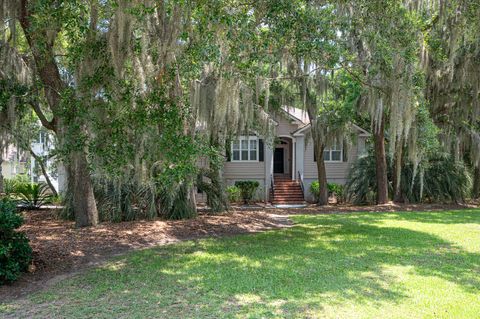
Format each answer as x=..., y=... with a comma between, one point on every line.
x=382, y=265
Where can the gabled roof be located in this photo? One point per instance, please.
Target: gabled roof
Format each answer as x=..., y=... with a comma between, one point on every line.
x=296, y=114
x=301, y=131
x=301, y=117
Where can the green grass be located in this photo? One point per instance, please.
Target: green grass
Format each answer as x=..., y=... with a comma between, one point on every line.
x=368, y=265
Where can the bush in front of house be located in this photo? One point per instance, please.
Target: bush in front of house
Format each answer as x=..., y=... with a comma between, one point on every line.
x=337, y=190
x=234, y=194
x=15, y=251
x=333, y=189
x=315, y=190
x=247, y=190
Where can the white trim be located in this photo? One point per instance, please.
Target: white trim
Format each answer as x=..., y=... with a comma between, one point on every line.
x=363, y=133
x=294, y=157
x=293, y=117
x=240, y=150
x=300, y=130
x=330, y=150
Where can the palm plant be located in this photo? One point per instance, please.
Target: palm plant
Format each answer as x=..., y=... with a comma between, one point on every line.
x=32, y=195
x=438, y=178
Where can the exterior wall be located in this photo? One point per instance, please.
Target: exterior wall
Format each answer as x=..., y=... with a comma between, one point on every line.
x=242, y=171
x=260, y=194
x=285, y=126
x=10, y=169
x=337, y=172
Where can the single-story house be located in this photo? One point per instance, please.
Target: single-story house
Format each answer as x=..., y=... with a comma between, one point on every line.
x=286, y=169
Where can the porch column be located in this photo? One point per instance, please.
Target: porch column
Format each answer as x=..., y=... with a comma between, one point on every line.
x=268, y=167
x=294, y=159
x=299, y=155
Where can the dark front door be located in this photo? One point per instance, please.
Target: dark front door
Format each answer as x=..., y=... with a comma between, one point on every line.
x=278, y=161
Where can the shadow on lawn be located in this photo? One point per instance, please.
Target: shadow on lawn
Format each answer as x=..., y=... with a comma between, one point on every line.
x=324, y=259
x=341, y=256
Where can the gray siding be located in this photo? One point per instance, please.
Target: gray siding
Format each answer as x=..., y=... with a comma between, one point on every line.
x=337, y=172
x=244, y=170
x=240, y=171
x=285, y=126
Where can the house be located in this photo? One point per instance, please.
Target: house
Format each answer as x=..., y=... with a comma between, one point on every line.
x=286, y=168
x=14, y=162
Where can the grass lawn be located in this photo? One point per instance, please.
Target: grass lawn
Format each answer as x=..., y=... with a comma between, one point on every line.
x=377, y=265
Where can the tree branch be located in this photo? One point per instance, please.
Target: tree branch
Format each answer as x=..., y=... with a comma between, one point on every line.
x=44, y=171
x=50, y=125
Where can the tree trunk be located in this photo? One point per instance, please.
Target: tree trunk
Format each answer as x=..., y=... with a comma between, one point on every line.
x=44, y=172
x=84, y=205
x=322, y=177
x=397, y=176
x=42, y=46
x=476, y=183
x=217, y=197
x=381, y=162
x=2, y=187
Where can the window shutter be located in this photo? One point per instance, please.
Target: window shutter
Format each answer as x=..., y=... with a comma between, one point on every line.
x=314, y=155
x=261, y=149
x=345, y=152
x=228, y=150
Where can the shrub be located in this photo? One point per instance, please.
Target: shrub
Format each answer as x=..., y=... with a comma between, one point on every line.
x=32, y=195
x=336, y=189
x=234, y=194
x=361, y=187
x=315, y=190
x=247, y=190
x=120, y=199
x=437, y=179
x=9, y=186
x=333, y=188
x=15, y=251
x=444, y=179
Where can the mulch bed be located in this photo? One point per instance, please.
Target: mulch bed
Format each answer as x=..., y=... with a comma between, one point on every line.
x=61, y=250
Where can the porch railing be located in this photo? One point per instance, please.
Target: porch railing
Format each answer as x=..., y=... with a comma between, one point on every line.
x=300, y=180
x=272, y=187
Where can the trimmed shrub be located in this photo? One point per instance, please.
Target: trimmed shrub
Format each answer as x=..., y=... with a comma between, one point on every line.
x=15, y=251
x=234, y=194
x=247, y=190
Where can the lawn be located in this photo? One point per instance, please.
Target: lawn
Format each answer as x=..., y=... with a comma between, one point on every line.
x=362, y=265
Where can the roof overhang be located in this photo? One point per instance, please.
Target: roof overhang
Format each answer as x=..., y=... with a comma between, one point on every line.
x=301, y=131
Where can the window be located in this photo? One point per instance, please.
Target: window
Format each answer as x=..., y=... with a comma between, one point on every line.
x=333, y=153
x=245, y=149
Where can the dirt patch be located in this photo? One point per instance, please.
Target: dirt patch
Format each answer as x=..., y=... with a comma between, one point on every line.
x=61, y=250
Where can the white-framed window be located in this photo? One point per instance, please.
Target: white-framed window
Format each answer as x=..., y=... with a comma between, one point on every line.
x=245, y=148
x=334, y=152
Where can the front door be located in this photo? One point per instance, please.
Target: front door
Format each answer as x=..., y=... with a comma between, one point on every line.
x=278, y=161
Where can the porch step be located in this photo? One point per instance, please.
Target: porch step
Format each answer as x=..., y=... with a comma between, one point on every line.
x=287, y=191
